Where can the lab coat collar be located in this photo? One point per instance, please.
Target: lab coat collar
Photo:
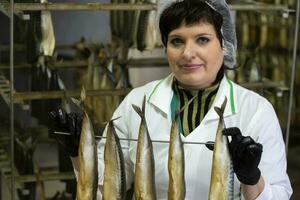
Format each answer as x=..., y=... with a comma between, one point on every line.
x=162, y=93
x=227, y=89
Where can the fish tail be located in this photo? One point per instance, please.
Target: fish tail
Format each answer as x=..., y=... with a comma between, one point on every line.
x=75, y=101
x=137, y=110
x=82, y=94
x=144, y=105
x=114, y=119
x=183, y=107
x=220, y=111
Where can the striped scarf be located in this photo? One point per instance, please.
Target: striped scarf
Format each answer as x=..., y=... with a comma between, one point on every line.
x=192, y=115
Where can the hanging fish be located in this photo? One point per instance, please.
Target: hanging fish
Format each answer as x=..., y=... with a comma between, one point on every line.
x=263, y=31
x=53, y=104
x=146, y=32
x=144, y=177
x=245, y=30
x=36, y=105
x=24, y=148
x=48, y=39
x=255, y=72
x=277, y=75
x=273, y=40
x=114, y=20
x=88, y=172
x=254, y=29
x=176, y=190
x=120, y=21
x=221, y=184
x=114, y=185
x=135, y=23
x=128, y=24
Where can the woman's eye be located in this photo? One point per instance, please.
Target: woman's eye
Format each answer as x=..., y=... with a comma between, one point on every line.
x=202, y=40
x=176, y=41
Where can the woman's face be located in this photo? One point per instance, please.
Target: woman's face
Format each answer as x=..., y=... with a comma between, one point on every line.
x=195, y=55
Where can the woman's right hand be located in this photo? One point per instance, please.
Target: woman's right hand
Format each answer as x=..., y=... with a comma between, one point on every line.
x=67, y=123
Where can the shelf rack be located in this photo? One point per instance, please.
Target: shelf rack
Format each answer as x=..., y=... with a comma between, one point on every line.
x=17, y=8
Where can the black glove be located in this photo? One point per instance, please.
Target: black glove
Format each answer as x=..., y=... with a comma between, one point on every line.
x=246, y=155
x=68, y=123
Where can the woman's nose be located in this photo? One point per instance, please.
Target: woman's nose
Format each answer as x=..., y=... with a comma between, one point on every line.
x=189, y=52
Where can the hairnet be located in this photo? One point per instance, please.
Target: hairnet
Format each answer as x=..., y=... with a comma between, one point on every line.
x=228, y=28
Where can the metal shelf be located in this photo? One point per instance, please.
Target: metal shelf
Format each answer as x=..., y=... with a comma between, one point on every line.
x=19, y=7
x=132, y=63
x=20, y=96
x=5, y=92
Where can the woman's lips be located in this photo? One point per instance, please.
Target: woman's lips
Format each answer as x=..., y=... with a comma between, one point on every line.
x=192, y=66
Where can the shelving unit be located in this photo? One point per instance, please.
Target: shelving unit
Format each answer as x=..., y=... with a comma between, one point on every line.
x=10, y=9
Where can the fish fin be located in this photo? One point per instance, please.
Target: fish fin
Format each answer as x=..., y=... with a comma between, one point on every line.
x=115, y=118
x=111, y=121
x=183, y=107
x=75, y=101
x=220, y=111
x=138, y=110
x=144, y=105
x=82, y=94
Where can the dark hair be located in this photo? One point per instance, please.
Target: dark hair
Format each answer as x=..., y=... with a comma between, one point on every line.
x=189, y=12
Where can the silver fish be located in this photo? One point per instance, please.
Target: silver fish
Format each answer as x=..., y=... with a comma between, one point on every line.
x=88, y=172
x=221, y=184
x=146, y=33
x=176, y=190
x=144, y=177
x=114, y=185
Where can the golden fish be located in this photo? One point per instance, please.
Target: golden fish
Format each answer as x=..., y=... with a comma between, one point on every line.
x=221, y=184
x=144, y=181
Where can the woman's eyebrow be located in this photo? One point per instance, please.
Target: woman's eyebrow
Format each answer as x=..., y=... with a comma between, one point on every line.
x=197, y=35
x=204, y=34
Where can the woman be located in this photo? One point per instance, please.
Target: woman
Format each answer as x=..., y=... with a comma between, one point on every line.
x=200, y=44
x=191, y=32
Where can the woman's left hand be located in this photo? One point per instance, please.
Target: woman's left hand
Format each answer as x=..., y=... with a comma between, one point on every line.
x=246, y=155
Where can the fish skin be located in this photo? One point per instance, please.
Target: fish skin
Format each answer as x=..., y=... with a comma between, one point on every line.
x=48, y=38
x=114, y=185
x=88, y=172
x=146, y=32
x=221, y=185
x=176, y=190
x=144, y=177
x=135, y=23
x=245, y=30
x=98, y=77
x=263, y=31
x=176, y=161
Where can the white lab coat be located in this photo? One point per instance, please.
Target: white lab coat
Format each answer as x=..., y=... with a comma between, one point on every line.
x=252, y=113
